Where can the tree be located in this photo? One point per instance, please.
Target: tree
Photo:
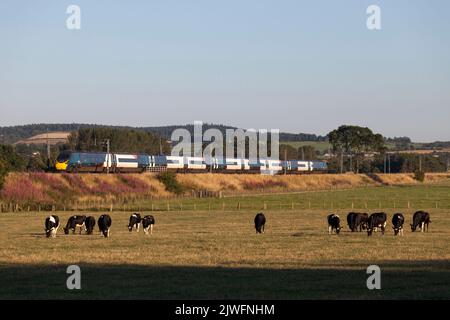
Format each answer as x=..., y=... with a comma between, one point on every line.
x=355, y=142
x=121, y=140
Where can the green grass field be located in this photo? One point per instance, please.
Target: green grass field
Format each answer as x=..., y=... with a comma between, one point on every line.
x=213, y=251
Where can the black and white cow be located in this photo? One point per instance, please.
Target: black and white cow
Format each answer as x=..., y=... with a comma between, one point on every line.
x=147, y=223
x=104, y=223
x=420, y=220
x=51, y=226
x=334, y=223
x=73, y=222
x=376, y=220
x=260, y=222
x=397, y=223
x=89, y=224
x=135, y=221
x=357, y=220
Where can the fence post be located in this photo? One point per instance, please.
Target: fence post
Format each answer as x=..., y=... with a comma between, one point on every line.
x=195, y=207
x=309, y=204
x=292, y=205
x=265, y=206
x=168, y=206
x=111, y=208
x=409, y=205
x=223, y=206
x=436, y=205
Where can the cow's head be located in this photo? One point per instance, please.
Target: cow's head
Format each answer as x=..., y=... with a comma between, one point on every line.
x=49, y=232
x=413, y=227
x=396, y=230
x=105, y=233
x=66, y=230
x=369, y=231
x=338, y=229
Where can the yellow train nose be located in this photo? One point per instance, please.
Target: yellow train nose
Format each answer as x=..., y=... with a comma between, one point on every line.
x=61, y=166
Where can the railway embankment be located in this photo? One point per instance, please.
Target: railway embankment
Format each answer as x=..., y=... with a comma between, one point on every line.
x=35, y=191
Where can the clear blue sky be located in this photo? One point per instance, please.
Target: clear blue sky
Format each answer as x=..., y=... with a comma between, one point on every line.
x=300, y=66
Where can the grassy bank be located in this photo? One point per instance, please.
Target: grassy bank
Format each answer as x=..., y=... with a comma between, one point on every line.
x=35, y=191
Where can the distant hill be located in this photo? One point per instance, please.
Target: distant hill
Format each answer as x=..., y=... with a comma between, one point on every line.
x=22, y=134
x=51, y=137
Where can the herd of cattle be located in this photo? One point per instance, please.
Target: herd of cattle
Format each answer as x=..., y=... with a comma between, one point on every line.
x=362, y=221
x=104, y=224
x=356, y=222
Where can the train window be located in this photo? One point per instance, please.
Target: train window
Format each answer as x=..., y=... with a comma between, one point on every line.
x=127, y=160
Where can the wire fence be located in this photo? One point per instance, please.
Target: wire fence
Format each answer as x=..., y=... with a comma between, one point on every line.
x=180, y=206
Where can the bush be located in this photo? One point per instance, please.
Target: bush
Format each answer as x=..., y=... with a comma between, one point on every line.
x=419, y=175
x=3, y=173
x=169, y=179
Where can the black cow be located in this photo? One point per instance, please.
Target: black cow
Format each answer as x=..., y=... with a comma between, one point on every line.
x=73, y=222
x=334, y=223
x=260, y=222
x=397, y=223
x=148, y=222
x=135, y=221
x=89, y=224
x=420, y=219
x=51, y=226
x=357, y=220
x=104, y=223
x=376, y=220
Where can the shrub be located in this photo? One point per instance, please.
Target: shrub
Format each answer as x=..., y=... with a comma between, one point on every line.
x=419, y=175
x=136, y=185
x=3, y=173
x=169, y=179
x=21, y=189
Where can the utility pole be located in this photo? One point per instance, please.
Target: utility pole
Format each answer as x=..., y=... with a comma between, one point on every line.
x=303, y=153
x=342, y=161
x=108, y=156
x=351, y=162
x=285, y=160
x=385, y=163
x=160, y=147
x=420, y=163
x=48, y=152
x=389, y=163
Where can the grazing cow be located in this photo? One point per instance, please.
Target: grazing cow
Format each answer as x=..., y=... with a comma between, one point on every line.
x=135, y=221
x=73, y=222
x=260, y=222
x=376, y=220
x=397, y=223
x=334, y=223
x=420, y=219
x=148, y=222
x=89, y=224
x=51, y=226
x=104, y=223
x=357, y=220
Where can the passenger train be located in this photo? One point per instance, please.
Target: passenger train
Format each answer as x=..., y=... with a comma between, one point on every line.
x=69, y=161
